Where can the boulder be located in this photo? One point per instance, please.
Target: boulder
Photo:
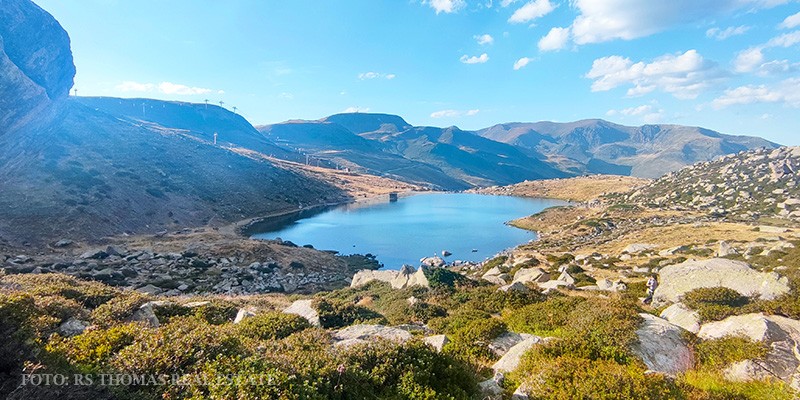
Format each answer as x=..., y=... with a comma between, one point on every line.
x=512, y=357
x=72, y=327
x=676, y=280
x=243, y=314
x=406, y=277
x=679, y=314
x=725, y=249
x=433, y=262
x=637, y=248
x=305, y=309
x=501, y=344
x=364, y=333
x=662, y=347
x=492, y=388
x=781, y=334
x=611, y=286
x=436, y=341
x=551, y=285
x=146, y=314
x=150, y=289
x=94, y=254
x=514, y=287
x=526, y=275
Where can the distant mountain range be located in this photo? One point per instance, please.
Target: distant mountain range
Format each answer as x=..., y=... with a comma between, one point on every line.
x=94, y=166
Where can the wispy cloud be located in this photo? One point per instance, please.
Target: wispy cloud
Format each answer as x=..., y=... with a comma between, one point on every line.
x=722, y=34
x=522, y=63
x=355, y=109
x=531, y=11
x=787, y=92
x=375, y=75
x=791, y=21
x=648, y=113
x=446, y=6
x=454, y=113
x=474, y=59
x=484, y=39
x=753, y=60
x=165, y=88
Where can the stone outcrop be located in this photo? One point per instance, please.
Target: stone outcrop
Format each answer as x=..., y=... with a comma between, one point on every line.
x=305, y=309
x=680, y=315
x=405, y=277
x=528, y=275
x=35, y=73
x=781, y=334
x=72, y=327
x=512, y=357
x=676, y=280
x=357, y=334
x=437, y=341
x=662, y=347
x=503, y=343
x=147, y=315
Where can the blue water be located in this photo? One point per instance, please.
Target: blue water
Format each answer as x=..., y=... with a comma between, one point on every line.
x=414, y=227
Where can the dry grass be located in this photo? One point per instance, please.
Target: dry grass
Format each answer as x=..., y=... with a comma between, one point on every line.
x=582, y=188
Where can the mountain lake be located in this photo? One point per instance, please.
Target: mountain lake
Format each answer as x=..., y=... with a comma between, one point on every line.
x=470, y=226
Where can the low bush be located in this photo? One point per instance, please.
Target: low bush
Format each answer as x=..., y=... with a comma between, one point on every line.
x=91, y=351
x=87, y=294
x=717, y=354
x=716, y=303
x=272, y=325
x=444, y=278
x=119, y=309
x=335, y=314
x=545, y=318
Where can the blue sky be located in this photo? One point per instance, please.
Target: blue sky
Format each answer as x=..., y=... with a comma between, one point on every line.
x=727, y=65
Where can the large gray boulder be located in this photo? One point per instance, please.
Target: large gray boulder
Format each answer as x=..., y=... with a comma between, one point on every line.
x=781, y=334
x=72, y=327
x=401, y=279
x=146, y=315
x=305, y=309
x=679, y=314
x=436, y=341
x=510, y=360
x=527, y=275
x=676, y=280
x=503, y=343
x=364, y=333
x=662, y=347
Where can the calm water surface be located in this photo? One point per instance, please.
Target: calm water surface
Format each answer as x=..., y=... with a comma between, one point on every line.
x=414, y=227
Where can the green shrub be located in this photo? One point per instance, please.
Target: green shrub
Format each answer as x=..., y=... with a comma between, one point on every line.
x=88, y=294
x=272, y=325
x=334, y=314
x=706, y=385
x=444, y=278
x=717, y=354
x=495, y=262
x=91, y=351
x=216, y=312
x=543, y=319
x=568, y=377
x=716, y=303
x=177, y=347
x=119, y=309
x=457, y=320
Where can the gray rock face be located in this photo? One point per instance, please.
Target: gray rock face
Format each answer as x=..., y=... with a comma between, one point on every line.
x=243, y=314
x=404, y=278
x=680, y=315
x=514, y=287
x=637, y=248
x=34, y=72
x=304, y=309
x=364, y=333
x=781, y=334
x=146, y=314
x=675, y=280
x=662, y=347
x=503, y=343
x=436, y=341
x=526, y=275
x=72, y=327
x=510, y=360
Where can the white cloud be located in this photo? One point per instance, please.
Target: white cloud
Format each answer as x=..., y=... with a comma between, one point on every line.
x=787, y=92
x=165, y=88
x=506, y=3
x=790, y=22
x=484, y=39
x=605, y=20
x=474, y=59
x=447, y=6
x=350, y=110
x=752, y=59
x=684, y=76
x=375, y=75
x=522, y=63
x=454, y=113
x=722, y=34
x=530, y=11
x=556, y=39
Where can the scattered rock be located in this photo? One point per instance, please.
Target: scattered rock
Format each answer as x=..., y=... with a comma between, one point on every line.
x=405, y=277
x=356, y=334
x=514, y=287
x=680, y=315
x=512, y=357
x=637, y=248
x=433, y=262
x=437, y=341
x=662, y=347
x=526, y=275
x=492, y=389
x=305, y=309
x=146, y=314
x=243, y=314
x=72, y=327
x=725, y=249
x=501, y=344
